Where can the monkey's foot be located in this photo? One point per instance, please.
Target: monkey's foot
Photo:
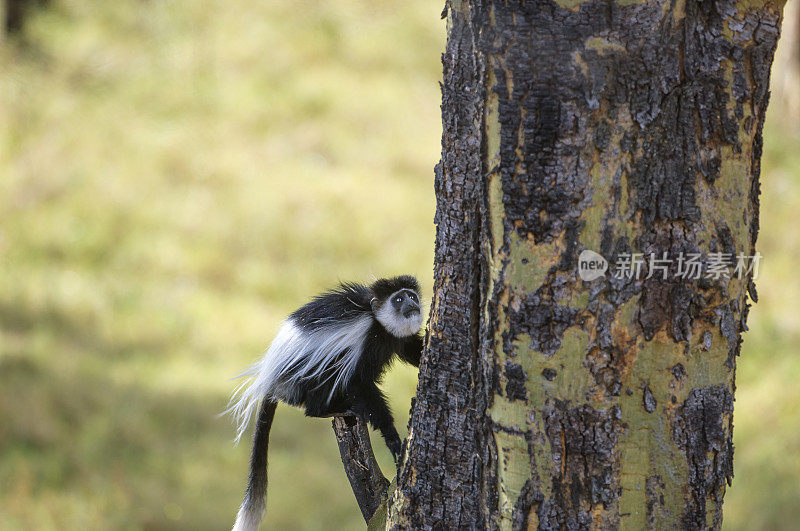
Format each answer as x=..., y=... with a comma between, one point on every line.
x=396, y=448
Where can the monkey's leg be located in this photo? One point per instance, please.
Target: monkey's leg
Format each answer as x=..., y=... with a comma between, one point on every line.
x=371, y=405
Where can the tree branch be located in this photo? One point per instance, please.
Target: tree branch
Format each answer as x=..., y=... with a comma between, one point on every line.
x=366, y=478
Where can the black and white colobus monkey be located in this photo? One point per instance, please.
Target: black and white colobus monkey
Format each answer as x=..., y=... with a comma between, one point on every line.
x=328, y=357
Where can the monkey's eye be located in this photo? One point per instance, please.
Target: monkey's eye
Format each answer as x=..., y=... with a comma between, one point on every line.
x=398, y=299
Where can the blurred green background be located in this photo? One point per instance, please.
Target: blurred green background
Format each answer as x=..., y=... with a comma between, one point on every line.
x=175, y=177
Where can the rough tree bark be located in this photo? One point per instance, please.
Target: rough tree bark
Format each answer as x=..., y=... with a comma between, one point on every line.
x=619, y=127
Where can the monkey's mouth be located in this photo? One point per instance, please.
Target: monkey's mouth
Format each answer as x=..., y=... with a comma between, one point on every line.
x=410, y=313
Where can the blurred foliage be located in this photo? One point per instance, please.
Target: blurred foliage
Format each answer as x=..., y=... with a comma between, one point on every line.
x=175, y=178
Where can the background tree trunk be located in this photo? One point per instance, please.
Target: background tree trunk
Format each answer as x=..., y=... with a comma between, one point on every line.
x=619, y=127
x=787, y=63
x=14, y=13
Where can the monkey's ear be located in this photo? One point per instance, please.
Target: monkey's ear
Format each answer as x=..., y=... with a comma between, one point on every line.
x=374, y=304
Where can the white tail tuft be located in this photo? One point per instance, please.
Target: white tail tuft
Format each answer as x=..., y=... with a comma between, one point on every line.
x=249, y=516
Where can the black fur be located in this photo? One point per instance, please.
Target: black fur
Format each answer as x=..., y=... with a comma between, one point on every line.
x=365, y=398
x=384, y=287
x=257, y=482
x=350, y=301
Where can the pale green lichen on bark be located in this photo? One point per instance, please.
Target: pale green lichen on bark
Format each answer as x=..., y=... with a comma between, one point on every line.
x=513, y=471
x=604, y=44
x=572, y=381
x=528, y=264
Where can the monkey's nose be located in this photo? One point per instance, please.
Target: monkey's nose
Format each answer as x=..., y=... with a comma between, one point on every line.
x=409, y=308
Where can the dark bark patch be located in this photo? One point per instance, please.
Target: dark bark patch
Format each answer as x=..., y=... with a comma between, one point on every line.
x=542, y=320
x=497, y=387
x=549, y=374
x=613, y=346
x=529, y=497
x=678, y=372
x=654, y=490
x=602, y=135
x=707, y=340
x=648, y=399
x=702, y=428
x=515, y=381
x=674, y=302
x=730, y=328
x=669, y=301
x=724, y=241
x=583, y=441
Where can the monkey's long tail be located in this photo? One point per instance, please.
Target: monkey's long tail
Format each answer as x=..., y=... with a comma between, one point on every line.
x=255, y=497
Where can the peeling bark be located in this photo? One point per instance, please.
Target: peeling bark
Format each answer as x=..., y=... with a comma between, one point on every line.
x=550, y=402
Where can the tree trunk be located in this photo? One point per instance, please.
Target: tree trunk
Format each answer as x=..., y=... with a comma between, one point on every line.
x=14, y=12
x=786, y=84
x=624, y=127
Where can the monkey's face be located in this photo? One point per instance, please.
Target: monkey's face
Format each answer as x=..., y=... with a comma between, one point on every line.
x=401, y=314
x=405, y=303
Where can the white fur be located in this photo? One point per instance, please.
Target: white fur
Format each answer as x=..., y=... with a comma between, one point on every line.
x=249, y=516
x=308, y=355
x=395, y=323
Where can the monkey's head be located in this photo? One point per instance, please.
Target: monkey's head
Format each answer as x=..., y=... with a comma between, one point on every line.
x=396, y=305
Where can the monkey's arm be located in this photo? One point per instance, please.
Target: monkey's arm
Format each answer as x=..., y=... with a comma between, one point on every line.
x=371, y=404
x=411, y=350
